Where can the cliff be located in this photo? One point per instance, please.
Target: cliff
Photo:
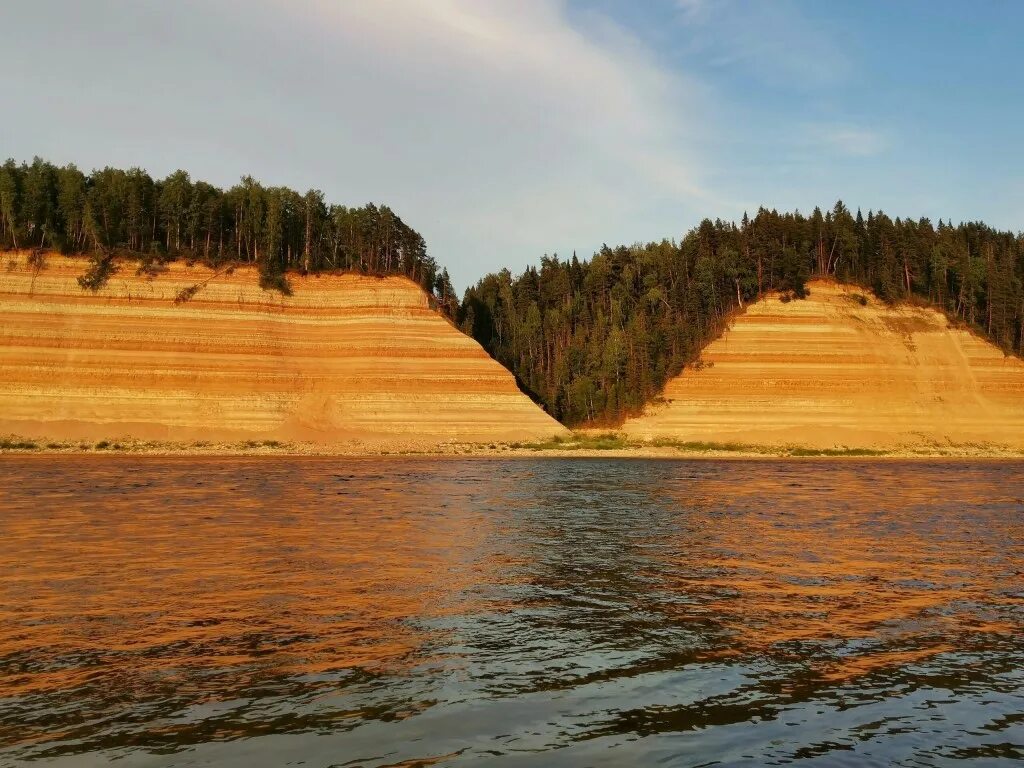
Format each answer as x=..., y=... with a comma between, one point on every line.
x=344, y=358
x=842, y=369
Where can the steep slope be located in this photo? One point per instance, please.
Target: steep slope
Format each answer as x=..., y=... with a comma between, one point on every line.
x=838, y=369
x=345, y=358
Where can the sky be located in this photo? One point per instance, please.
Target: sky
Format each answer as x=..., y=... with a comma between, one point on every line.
x=504, y=130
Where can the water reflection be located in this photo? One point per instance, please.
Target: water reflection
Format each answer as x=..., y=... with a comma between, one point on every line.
x=259, y=611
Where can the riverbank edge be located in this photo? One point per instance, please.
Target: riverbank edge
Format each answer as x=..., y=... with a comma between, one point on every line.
x=611, y=446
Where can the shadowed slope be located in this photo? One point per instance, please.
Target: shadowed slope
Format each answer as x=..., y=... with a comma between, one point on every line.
x=344, y=358
x=841, y=369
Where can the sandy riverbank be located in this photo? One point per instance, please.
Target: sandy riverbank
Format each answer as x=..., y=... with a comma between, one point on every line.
x=607, y=446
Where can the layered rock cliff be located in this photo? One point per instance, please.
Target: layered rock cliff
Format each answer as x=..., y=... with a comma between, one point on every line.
x=344, y=358
x=842, y=369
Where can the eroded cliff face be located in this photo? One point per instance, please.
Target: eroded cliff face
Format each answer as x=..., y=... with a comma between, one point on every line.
x=829, y=371
x=345, y=358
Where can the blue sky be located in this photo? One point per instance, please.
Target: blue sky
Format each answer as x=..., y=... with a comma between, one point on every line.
x=913, y=107
x=506, y=129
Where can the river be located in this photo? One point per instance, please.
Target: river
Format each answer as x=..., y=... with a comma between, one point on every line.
x=266, y=611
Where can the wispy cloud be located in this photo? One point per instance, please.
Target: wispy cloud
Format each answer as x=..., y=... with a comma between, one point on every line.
x=511, y=112
x=692, y=10
x=501, y=130
x=775, y=42
x=850, y=140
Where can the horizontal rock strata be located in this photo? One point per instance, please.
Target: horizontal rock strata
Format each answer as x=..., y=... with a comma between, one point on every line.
x=842, y=369
x=344, y=358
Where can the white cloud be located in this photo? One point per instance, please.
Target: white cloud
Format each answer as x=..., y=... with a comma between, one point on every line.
x=500, y=130
x=513, y=129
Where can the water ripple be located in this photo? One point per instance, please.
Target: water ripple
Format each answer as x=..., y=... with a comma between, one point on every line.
x=582, y=612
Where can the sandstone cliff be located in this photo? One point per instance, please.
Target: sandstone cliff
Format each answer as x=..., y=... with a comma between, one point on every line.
x=831, y=371
x=345, y=358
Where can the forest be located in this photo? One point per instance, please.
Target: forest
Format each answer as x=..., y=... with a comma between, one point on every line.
x=593, y=341
x=115, y=214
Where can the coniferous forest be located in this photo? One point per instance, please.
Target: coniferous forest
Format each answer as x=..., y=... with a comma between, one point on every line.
x=592, y=341
x=114, y=213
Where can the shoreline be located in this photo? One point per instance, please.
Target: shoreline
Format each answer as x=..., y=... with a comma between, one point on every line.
x=605, y=447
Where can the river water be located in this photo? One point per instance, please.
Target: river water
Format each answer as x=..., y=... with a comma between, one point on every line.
x=338, y=612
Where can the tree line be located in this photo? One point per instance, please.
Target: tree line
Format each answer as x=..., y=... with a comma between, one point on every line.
x=112, y=213
x=593, y=341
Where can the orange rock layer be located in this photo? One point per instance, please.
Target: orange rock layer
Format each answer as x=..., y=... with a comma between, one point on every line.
x=345, y=358
x=829, y=371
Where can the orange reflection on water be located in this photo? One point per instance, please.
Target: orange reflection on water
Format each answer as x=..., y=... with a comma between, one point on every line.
x=153, y=591
x=166, y=603
x=781, y=577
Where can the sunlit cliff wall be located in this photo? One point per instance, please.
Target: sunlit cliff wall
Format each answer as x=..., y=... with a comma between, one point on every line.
x=345, y=358
x=832, y=371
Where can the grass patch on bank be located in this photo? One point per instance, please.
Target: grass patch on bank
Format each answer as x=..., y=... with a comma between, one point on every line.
x=800, y=452
x=609, y=441
x=614, y=441
x=264, y=444
x=17, y=444
x=700, y=446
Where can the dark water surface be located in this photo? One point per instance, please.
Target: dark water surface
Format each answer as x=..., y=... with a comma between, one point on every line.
x=273, y=611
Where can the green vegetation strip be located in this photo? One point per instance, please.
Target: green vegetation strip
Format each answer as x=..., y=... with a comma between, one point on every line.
x=15, y=443
x=583, y=443
x=612, y=441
